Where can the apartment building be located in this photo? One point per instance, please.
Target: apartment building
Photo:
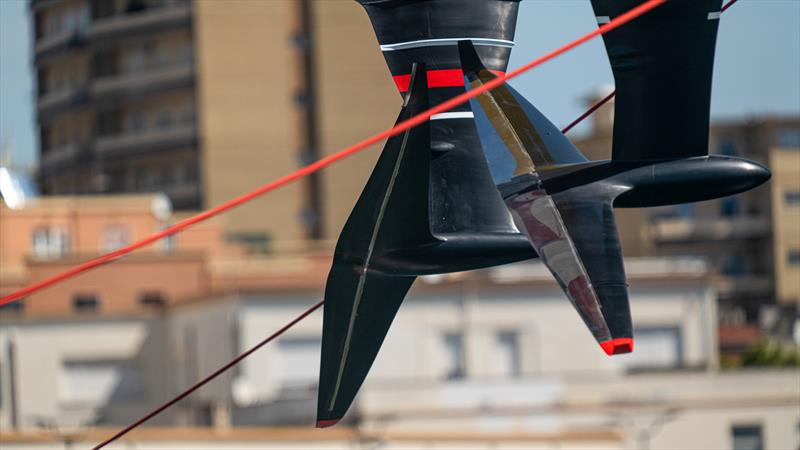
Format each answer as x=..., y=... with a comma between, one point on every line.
x=206, y=100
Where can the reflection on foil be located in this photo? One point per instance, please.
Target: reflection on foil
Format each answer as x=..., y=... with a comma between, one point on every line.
x=536, y=215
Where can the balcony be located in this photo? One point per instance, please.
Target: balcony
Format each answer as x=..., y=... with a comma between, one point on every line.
x=141, y=22
x=145, y=141
x=184, y=195
x=682, y=229
x=53, y=103
x=134, y=84
x=66, y=156
x=744, y=286
x=55, y=43
x=38, y=5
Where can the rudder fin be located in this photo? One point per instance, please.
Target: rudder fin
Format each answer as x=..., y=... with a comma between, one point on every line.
x=362, y=295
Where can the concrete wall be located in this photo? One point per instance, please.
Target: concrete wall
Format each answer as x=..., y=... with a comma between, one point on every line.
x=246, y=90
x=42, y=348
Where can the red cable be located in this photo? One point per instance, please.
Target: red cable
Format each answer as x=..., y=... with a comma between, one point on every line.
x=589, y=112
x=727, y=5
x=205, y=380
x=328, y=160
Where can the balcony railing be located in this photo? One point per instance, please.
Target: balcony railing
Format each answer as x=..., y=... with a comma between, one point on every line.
x=144, y=141
x=184, y=195
x=746, y=285
x=53, y=103
x=42, y=4
x=65, y=156
x=141, y=21
x=133, y=84
x=53, y=43
x=683, y=229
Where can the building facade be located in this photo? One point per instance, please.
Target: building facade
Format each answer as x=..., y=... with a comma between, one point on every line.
x=206, y=100
x=491, y=359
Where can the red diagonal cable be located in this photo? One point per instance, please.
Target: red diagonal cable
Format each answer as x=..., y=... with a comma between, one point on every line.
x=205, y=380
x=605, y=100
x=727, y=5
x=328, y=160
x=588, y=112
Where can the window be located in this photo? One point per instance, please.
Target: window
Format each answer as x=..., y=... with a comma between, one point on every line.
x=137, y=121
x=789, y=137
x=734, y=265
x=187, y=115
x=14, y=307
x=50, y=242
x=105, y=63
x=685, y=210
x=136, y=6
x=793, y=257
x=152, y=300
x=115, y=237
x=730, y=207
x=183, y=51
x=507, y=354
x=168, y=176
x=791, y=198
x=135, y=60
x=164, y=118
x=727, y=147
x=144, y=180
x=254, y=241
x=85, y=303
x=299, y=366
x=96, y=382
x=454, y=366
x=191, y=172
x=656, y=348
x=109, y=122
x=747, y=437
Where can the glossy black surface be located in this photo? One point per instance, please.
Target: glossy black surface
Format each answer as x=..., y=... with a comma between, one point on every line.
x=433, y=206
x=360, y=302
x=662, y=63
x=410, y=21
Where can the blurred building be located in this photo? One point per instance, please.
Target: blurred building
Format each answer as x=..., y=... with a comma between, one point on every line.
x=206, y=100
x=491, y=359
x=52, y=234
x=751, y=240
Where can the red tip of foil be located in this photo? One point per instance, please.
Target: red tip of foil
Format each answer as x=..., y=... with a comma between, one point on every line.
x=327, y=423
x=617, y=346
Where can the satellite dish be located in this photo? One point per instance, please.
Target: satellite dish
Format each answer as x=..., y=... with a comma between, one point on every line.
x=16, y=190
x=161, y=207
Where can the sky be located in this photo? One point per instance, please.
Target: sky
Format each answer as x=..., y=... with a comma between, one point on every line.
x=756, y=72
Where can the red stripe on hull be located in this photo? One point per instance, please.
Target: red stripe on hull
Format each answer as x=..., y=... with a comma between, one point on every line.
x=437, y=79
x=327, y=423
x=617, y=346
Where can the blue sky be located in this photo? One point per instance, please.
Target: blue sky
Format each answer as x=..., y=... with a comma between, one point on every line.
x=757, y=67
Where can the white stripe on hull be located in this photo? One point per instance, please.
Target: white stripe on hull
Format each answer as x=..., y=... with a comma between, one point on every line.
x=453, y=115
x=445, y=41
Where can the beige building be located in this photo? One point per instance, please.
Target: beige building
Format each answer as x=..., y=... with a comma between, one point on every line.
x=493, y=359
x=53, y=234
x=206, y=100
x=785, y=201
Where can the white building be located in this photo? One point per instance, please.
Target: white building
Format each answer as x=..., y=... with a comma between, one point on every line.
x=490, y=359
